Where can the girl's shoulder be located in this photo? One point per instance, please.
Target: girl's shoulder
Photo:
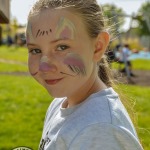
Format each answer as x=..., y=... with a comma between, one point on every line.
x=105, y=136
x=102, y=107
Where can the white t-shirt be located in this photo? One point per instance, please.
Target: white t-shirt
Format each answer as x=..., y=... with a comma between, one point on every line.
x=99, y=123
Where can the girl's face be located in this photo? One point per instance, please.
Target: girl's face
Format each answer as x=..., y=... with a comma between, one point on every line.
x=60, y=52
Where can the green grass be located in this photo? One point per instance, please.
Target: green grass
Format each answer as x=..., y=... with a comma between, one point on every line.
x=14, y=53
x=138, y=64
x=141, y=64
x=139, y=96
x=5, y=67
x=23, y=107
x=14, y=59
x=23, y=103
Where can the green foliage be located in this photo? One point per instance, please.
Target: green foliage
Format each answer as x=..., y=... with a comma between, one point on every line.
x=10, y=29
x=144, y=19
x=115, y=15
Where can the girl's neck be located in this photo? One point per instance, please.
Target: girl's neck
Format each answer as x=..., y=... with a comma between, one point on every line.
x=82, y=94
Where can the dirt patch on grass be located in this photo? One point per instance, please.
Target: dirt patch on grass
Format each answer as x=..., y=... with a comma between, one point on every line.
x=141, y=78
x=12, y=62
x=17, y=73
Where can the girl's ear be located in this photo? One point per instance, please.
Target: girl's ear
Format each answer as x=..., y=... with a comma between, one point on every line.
x=101, y=44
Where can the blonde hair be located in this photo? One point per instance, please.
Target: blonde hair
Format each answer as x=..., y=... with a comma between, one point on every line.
x=92, y=16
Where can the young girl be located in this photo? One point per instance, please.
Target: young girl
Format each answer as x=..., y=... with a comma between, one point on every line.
x=67, y=41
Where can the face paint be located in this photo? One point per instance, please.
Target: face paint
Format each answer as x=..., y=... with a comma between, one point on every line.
x=65, y=29
x=44, y=59
x=44, y=66
x=30, y=37
x=33, y=74
x=75, y=64
x=38, y=33
x=43, y=32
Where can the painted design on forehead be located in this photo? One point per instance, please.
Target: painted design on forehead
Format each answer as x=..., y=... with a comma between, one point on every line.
x=65, y=29
x=43, y=32
x=75, y=64
x=30, y=37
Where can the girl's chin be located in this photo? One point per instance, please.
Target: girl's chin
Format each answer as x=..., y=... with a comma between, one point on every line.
x=56, y=94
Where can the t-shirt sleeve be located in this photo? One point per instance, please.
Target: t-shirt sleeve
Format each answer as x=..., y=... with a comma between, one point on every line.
x=105, y=137
x=52, y=109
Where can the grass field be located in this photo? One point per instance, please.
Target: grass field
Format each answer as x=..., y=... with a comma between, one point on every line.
x=14, y=53
x=24, y=104
x=22, y=109
x=138, y=64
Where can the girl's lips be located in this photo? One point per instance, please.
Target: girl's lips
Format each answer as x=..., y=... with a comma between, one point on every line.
x=53, y=81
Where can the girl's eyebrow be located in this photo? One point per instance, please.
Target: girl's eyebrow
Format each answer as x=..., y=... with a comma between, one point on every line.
x=31, y=44
x=60, y=39
x=54, y=41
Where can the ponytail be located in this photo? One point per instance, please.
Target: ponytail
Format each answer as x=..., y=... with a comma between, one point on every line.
x=104, y=72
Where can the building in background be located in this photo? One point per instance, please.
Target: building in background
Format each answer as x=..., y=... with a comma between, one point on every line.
x=4, y=14
x=4, y=11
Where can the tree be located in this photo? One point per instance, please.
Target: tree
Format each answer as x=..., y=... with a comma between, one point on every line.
x=14, y=24
x=115, y=15
x=143, y=18
x=143, y=29
x=115, y=20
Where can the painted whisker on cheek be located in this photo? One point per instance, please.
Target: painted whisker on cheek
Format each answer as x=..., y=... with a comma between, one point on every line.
x=77, y=70
x=71, y=68
x=67, y=74
x=33, y=74
x=75, y=64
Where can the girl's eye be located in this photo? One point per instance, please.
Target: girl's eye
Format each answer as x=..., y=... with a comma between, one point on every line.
x=62, y=47
x=35, y=51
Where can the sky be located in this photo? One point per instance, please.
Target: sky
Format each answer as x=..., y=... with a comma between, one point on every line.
x=20, y=8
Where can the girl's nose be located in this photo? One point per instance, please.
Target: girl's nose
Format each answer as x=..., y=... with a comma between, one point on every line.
x=45, y=67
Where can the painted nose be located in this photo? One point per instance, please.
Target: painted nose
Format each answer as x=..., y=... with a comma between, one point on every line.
x=45, y=67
